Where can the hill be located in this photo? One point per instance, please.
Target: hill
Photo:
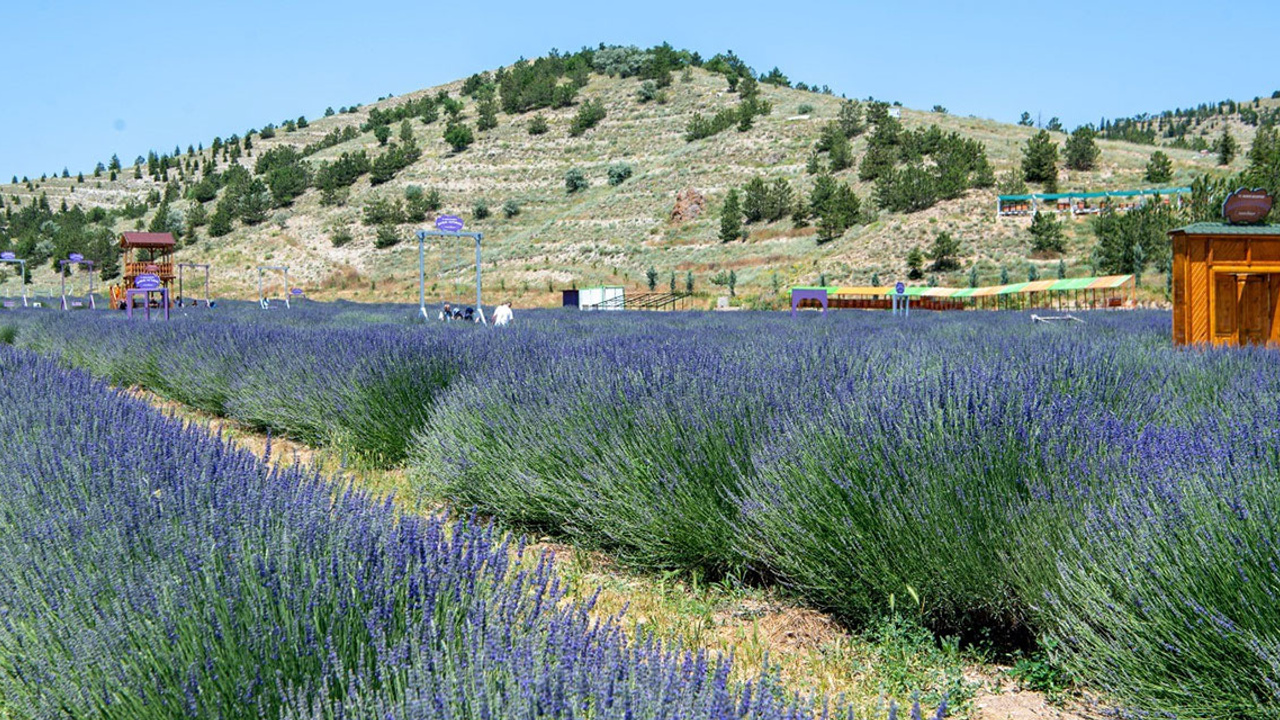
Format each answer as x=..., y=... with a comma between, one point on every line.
x=604, y=233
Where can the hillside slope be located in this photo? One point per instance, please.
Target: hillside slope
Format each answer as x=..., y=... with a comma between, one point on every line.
x=609, y=234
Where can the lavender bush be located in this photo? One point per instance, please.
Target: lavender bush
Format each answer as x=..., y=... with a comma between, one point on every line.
x=148, y=570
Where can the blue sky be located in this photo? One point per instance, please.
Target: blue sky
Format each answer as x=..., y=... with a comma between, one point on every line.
x=86, y=79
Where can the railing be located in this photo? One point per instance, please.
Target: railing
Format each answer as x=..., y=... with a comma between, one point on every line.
x=163, y=269
x=644, y=301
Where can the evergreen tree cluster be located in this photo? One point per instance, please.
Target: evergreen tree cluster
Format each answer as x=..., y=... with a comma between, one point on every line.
x=337, y=136
x=343, y=172
x=286, y=174
x=526, y=86
x=395, y=158
x=743, y=115
x=767, y=202
x=936, y=165
x=1180, y=124
x=425, y=108
x=38, y=234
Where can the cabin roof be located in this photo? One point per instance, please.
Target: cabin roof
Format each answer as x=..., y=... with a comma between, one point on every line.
x=1218, y=228
x=146, y=240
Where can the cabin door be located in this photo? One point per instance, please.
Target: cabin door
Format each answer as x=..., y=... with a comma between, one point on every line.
x=1254, y=309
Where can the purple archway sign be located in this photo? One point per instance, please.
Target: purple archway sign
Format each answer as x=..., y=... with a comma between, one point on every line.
x=798, y=296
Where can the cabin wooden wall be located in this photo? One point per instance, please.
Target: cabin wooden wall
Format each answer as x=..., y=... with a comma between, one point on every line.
x=1206, y=299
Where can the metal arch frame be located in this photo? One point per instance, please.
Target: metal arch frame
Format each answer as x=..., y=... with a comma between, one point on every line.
x=422, y=268
x=22, y=278
x=62, y=274
x=262, y=299
x=205, y=266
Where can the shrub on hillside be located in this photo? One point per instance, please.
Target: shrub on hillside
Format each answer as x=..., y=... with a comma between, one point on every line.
x=386, y=236
x=384, y=211
x=619, y=173
x=459, y=136
x=575, y=181
x=589, y=115
x=538, y=125
x=340, y=237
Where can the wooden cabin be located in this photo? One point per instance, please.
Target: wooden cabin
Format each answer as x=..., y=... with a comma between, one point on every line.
x=1226, y=284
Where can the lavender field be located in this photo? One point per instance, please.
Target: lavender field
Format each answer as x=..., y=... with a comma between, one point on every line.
x=151, y=571
x=1088, y=487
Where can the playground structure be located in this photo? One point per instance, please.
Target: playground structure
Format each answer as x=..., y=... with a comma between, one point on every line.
x=11, y=259
x=1085, y=203
x=422, y=268
x=182, y=298
x=263, y=300
x=1107, y=292
x=77, y=260
x=147, y=255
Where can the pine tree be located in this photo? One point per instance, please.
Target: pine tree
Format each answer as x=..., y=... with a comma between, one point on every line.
x=1046, y=234
x=850, y=118
x=382, y=133
x=1040, y=160
x=943, y=252
x=1226, y=147
x=1159, y=168
x=915, y=261
x=1081, y=149
x=754, y=199
x=731, y=218
x=651, y=275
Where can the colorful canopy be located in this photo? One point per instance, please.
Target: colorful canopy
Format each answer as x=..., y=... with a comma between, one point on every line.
x=1099, y=194
x=1106, y=282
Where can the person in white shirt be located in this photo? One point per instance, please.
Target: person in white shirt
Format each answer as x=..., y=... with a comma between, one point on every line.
x=502, y=315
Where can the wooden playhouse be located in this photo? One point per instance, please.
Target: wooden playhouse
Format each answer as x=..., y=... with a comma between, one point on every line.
x=143, y=253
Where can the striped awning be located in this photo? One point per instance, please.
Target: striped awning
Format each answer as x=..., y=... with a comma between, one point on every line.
x=1106, y=282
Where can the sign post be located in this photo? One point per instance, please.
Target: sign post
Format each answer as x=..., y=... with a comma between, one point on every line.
x=900, y=299
x=448, y=226
x=75, y=259
x=144, y=284
x=8, y=257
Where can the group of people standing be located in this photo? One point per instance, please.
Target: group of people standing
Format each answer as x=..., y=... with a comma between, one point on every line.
x=502, y=314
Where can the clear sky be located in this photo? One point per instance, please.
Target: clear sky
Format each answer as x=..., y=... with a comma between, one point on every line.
x=87, y=78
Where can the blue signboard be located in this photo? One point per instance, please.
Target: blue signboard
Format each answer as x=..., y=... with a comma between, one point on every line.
x=900, y=288
x=147, y=281
x=449, y=223
x=296, y=291
x=8, y=256
x=75, y=257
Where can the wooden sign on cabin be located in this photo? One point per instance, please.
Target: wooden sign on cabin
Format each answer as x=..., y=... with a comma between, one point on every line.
x=1226, y=276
